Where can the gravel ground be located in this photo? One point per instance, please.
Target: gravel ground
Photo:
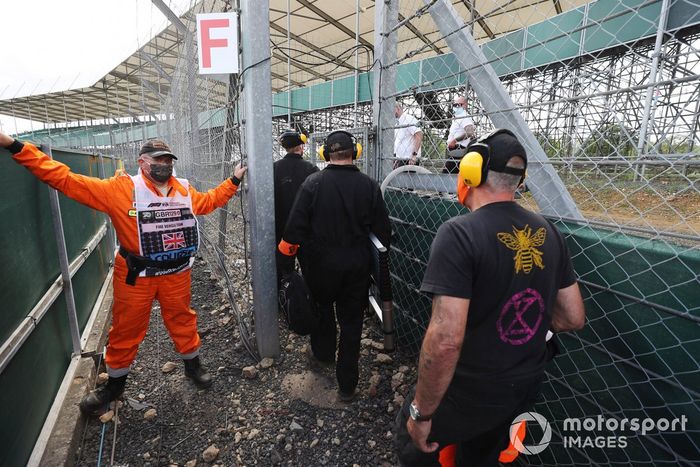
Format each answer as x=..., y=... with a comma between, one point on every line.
x=281, y=414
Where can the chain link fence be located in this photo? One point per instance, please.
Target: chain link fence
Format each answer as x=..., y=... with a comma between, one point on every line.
x=605, y=96
x=608, y=93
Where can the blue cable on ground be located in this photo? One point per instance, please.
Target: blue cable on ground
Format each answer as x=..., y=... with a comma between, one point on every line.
x=102, y=440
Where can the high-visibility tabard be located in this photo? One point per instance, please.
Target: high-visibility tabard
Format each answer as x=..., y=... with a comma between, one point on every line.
x=167, y=227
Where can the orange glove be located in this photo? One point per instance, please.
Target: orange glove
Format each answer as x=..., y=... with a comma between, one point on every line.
x=286, y=248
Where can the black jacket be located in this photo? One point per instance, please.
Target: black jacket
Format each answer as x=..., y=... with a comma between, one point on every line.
x=289, y=173
x=333, y=214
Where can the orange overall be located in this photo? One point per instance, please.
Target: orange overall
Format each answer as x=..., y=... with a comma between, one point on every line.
x=132, y=304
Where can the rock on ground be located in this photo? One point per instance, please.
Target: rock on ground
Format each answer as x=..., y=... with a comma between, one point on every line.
x=251, y=422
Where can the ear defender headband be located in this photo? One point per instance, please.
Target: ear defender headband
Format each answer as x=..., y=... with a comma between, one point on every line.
x=291, y=138
x=474, y=166
x=356, y=147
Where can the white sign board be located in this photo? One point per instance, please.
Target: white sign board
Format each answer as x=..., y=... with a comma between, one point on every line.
x=217, y=43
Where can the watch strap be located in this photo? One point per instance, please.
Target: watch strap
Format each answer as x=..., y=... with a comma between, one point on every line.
x=417, y=416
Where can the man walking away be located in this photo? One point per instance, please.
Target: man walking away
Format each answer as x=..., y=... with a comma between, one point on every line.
x=500, y=278
x=289, y=173
x=334, y=212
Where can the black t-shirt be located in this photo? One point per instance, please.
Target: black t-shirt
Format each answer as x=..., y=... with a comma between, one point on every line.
x=333, y=214
x=289, y=173
x=510, y=263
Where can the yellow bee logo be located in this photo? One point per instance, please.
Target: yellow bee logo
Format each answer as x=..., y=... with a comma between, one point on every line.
x=524, y=243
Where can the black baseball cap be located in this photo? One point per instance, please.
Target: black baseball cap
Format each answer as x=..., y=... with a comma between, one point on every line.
x=155, y=148
x=291, y=139
x=502, y=146
x=339, y=141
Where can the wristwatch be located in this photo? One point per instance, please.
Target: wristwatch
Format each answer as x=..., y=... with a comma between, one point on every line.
x=416, y=415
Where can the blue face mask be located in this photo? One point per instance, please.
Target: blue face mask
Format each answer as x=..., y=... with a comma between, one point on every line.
x=459, y=112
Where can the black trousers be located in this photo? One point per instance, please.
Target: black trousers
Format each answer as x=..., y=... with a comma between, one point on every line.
x=348, y=291
x=477, y=418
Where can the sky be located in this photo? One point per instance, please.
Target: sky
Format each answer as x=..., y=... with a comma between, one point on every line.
x=55, y=45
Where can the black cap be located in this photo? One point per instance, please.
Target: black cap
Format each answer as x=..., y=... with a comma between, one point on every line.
x=155, y=148
x=291, y=139
x=339, y=141
x=502, y=146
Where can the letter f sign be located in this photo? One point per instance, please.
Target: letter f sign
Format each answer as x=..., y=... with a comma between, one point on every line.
x=217, y=43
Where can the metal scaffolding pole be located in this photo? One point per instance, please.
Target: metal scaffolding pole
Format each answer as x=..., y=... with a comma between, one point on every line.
x=289, y=64
x=654, y=69
x=386, y=16
x=257, y=95
x=551, y=195
x=357, y=62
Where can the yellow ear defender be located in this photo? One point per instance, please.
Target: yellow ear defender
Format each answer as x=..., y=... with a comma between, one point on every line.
x=471, y=169
x=474, y=166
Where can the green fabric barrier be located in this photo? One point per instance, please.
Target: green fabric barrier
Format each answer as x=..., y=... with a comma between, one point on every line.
x=344, y=91
x=29, y=383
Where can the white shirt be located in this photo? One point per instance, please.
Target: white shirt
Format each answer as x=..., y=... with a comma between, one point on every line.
x=403, y=137
x=458, y=126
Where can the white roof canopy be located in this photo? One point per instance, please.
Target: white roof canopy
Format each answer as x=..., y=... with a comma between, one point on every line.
x=322, y=35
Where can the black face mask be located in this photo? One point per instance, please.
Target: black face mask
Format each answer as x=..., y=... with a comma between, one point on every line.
x=161, y=173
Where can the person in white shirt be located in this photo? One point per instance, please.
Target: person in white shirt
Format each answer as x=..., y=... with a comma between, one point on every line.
x=460, y=136
x=407, y=138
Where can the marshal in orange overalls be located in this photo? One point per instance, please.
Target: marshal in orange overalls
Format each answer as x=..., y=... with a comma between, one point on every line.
x=132, y=303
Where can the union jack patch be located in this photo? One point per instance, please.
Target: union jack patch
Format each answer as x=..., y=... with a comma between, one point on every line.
x=173, y=241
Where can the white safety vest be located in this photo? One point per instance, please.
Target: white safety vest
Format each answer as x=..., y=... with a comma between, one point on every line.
x=167, y=227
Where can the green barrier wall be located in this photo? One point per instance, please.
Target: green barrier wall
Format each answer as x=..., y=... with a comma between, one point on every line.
x=28, y=253
x=637, y=356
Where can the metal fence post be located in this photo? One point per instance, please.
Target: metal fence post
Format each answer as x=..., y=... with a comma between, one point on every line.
x=648, y=114
x=257, y=95
x=551, y=195
x=386, y=15
x=111, y=235
x=63, y=263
